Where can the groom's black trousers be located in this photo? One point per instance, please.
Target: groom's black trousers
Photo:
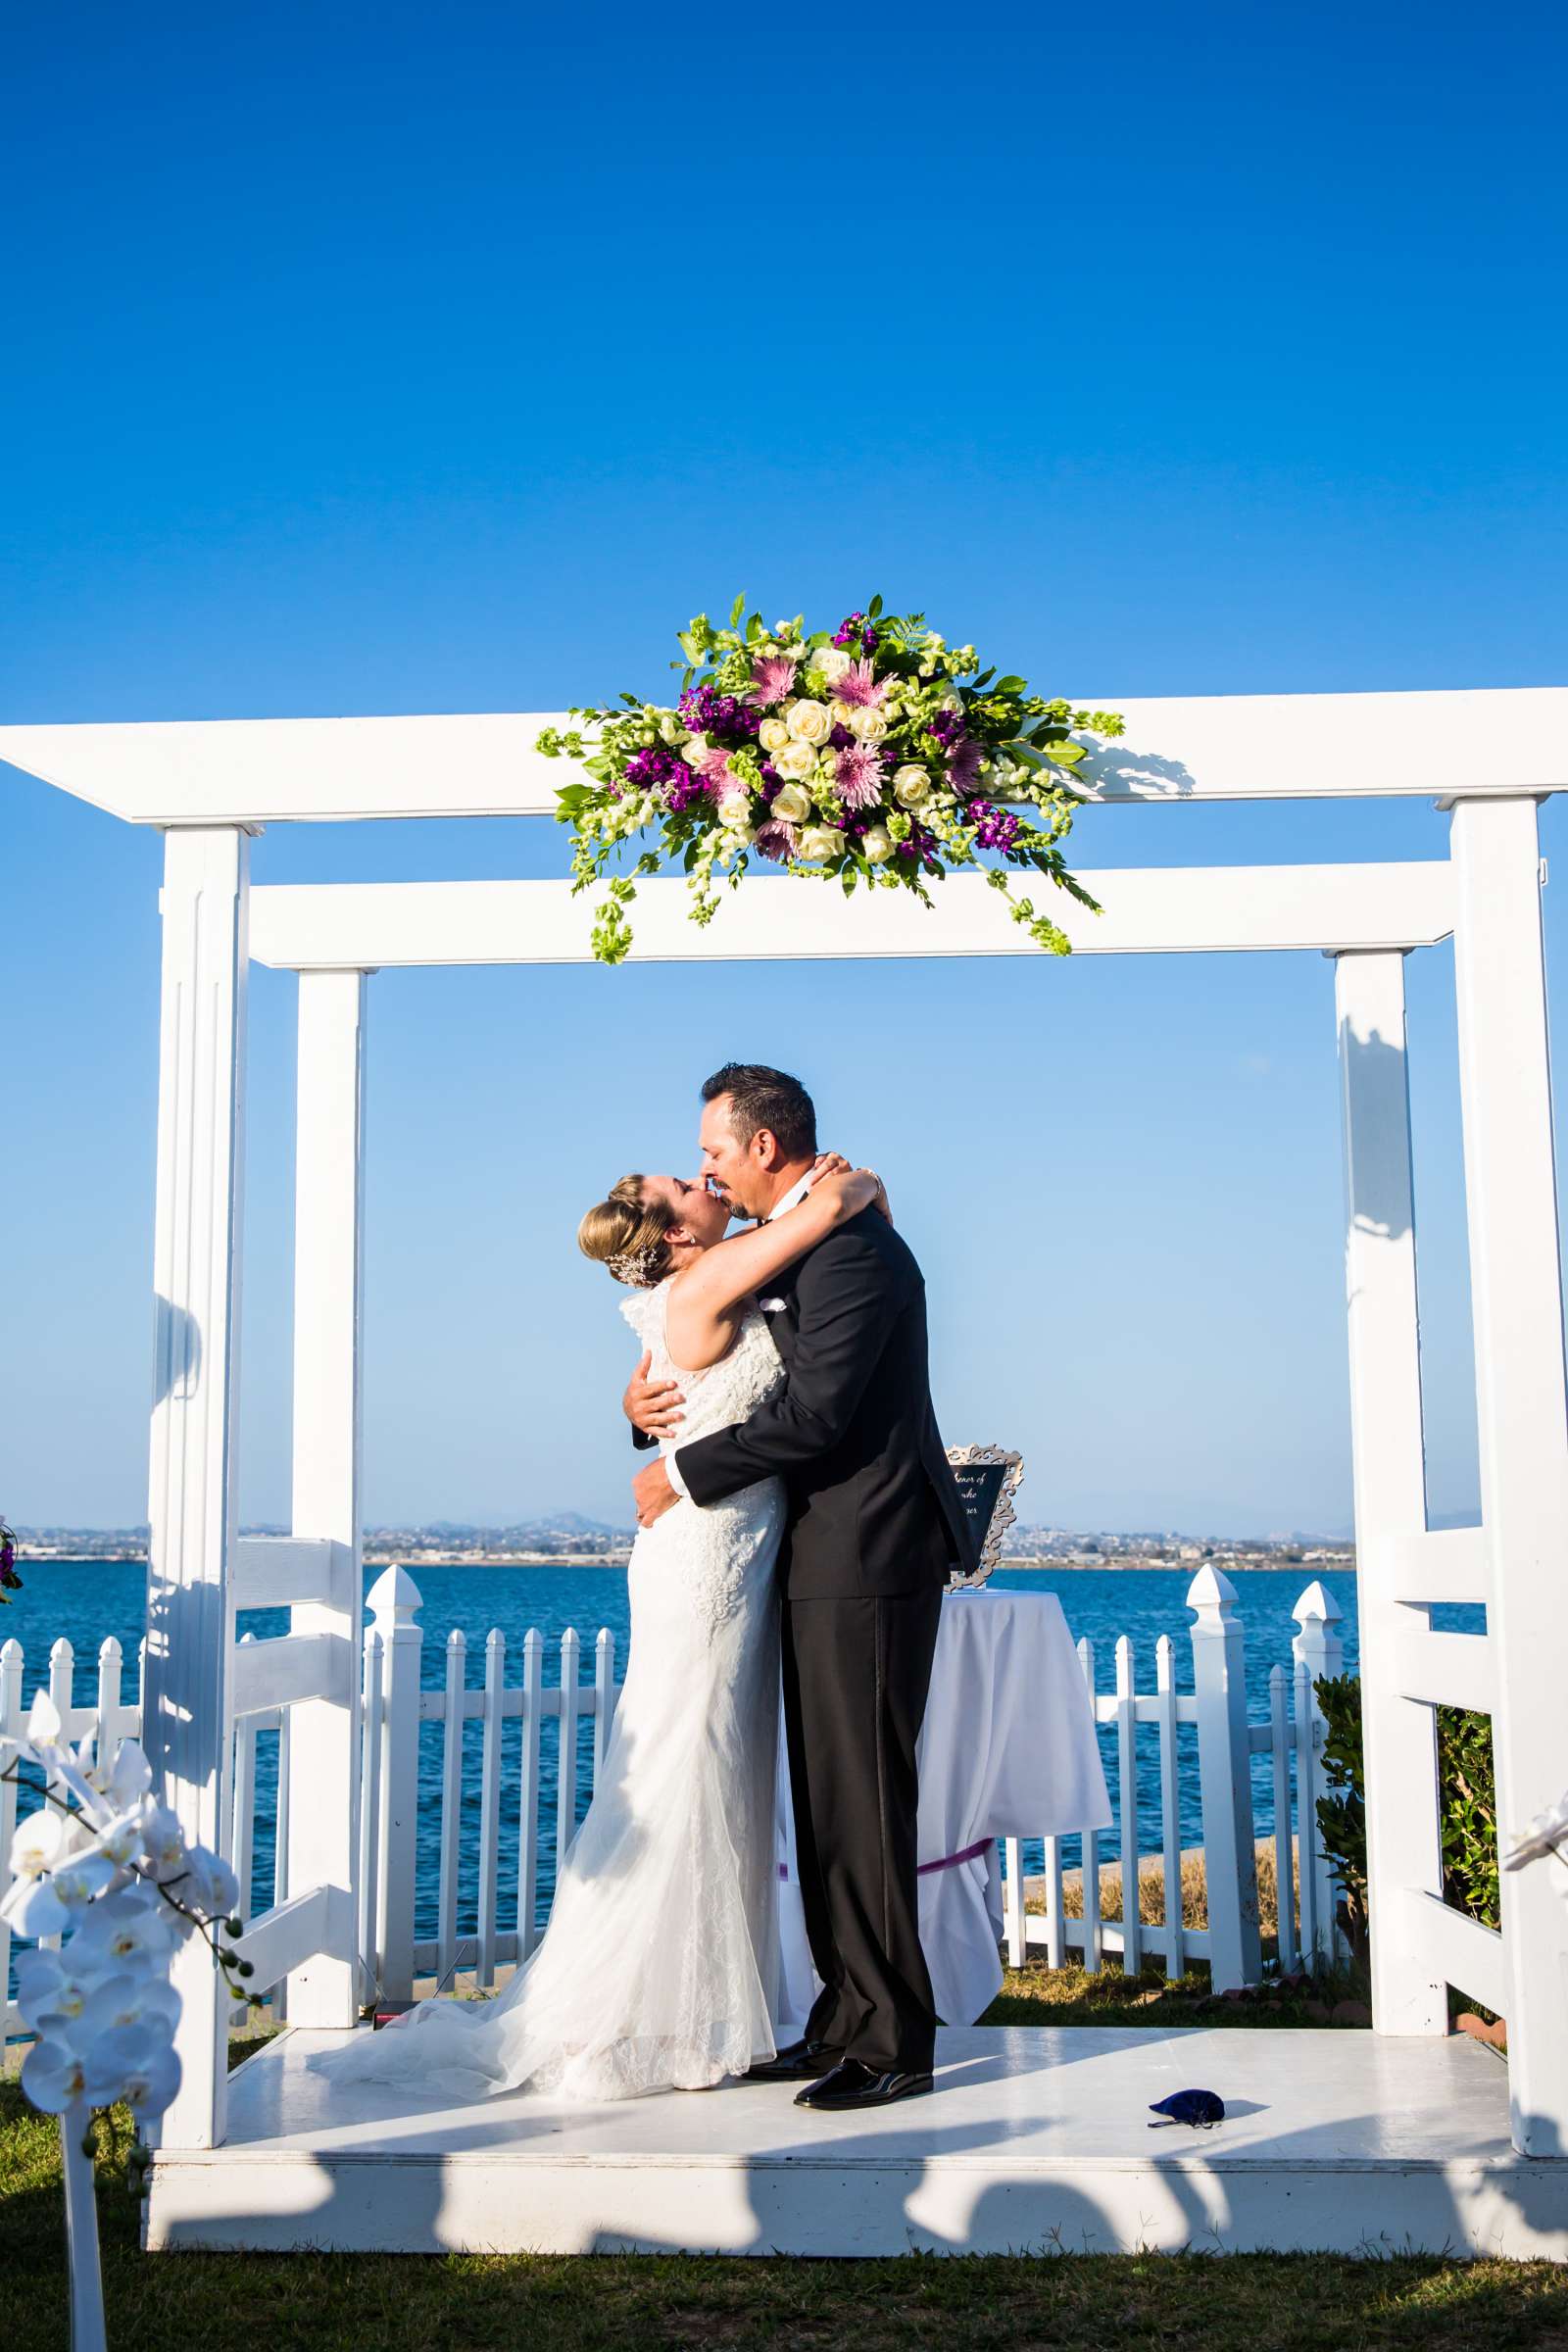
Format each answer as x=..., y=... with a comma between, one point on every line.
x=857, y=1671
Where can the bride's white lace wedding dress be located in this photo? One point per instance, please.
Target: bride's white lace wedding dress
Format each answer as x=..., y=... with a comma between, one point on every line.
x=659, y=1969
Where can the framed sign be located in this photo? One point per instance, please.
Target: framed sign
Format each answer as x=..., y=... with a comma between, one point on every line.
x=988, y=1478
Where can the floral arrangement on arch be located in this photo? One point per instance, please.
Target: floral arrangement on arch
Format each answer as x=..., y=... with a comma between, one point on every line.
x=872, y=756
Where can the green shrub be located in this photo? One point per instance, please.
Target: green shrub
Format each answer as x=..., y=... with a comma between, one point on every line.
x=1468, y=1807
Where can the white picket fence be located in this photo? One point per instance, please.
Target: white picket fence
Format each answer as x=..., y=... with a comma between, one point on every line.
x=1291, y=1736
x=1213, y=1715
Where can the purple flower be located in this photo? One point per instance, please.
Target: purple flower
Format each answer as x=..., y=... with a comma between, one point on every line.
x=964, y=763
x=998, y=828
x=853, y=635
x=706, y=712
x=657, y=768
x=946, y=725
x=858, y=778
x=776, y=840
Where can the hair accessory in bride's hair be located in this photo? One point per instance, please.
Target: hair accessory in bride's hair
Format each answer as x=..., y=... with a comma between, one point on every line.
x=636, y=1266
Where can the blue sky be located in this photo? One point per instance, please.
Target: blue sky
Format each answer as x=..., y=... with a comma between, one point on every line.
x=402, y=359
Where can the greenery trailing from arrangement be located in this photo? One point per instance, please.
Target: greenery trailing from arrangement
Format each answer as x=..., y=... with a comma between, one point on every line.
x=1468, y=1816
x=873, y=755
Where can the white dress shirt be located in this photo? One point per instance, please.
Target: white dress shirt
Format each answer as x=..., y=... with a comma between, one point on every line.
x=769, y=1306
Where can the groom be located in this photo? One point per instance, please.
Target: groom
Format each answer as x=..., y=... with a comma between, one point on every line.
x=874, y=1525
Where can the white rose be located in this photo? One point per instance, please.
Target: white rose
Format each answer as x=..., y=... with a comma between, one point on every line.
x=841, y=713
x=877, y=845
x=795, y=762
x=694, y=751
x=808, y=723
x=734, y=808
x=821, y=842
x=869, y=725
x=790, y=805
x=911, y=785
x=832, y=662
x=772, y=734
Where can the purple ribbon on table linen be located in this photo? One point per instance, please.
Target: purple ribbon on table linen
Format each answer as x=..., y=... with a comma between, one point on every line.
x=951, y=1861
x=924, y=1869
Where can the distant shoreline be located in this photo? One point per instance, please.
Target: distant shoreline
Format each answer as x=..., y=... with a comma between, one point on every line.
x=1030, y=1564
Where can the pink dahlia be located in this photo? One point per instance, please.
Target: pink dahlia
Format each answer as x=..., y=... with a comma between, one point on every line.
x=858, y=778
x=716, y=770
x=858, y=688
x=772, y=677
x=776, y=840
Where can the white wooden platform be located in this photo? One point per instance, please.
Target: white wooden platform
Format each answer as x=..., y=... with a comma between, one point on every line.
x=1032, y=2141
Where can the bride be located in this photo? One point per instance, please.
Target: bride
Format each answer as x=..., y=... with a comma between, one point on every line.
x=658, y=1968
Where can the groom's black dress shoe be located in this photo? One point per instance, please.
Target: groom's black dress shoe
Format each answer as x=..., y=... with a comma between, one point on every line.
x=800, y=2062
x=854, y=2083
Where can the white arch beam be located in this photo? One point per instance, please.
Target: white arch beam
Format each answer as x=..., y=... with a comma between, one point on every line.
x=363, y=926
x=1190, y=748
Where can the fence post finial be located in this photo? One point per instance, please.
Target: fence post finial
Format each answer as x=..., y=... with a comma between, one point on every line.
x=393, y=1600
x=1317, y=1613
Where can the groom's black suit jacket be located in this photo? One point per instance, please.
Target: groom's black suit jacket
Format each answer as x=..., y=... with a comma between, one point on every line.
x=874, y=1507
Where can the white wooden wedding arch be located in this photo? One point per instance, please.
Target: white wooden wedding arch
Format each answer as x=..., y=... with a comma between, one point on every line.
x=1489, y=758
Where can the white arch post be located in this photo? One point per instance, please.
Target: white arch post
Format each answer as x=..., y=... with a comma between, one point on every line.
x=1522, y=1414
x=191, y=1505
x=1389, y=1469
x=324, y=1757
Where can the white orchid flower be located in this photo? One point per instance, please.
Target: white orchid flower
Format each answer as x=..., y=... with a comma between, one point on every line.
x=126, y=2001
x=162, y=1843
x=210, y=1885
x=133, y=2063
x=47, y=1747
x=31, y=1905
x=118, y=1842
x=53, y=2075
x=1547, y=1833
x=126, y=1932
x=53, y=1990
x=37, y=1843
x=122, y=1781
x=55, y=1904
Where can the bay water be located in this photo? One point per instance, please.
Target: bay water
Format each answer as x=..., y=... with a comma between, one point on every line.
x=84, y=1601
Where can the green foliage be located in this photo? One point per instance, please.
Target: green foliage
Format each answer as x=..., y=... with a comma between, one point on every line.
x=1342, y=1811
x=1469, y=1808
x=1469, y=1814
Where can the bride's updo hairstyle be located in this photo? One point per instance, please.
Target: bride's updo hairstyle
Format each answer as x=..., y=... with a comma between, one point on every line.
x=629, y=1237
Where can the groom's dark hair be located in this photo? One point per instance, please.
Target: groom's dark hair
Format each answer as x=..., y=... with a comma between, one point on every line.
x=762, y=1097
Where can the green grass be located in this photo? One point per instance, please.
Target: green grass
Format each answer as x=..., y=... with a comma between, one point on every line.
x=1069, y=1996
x=473, y=2303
